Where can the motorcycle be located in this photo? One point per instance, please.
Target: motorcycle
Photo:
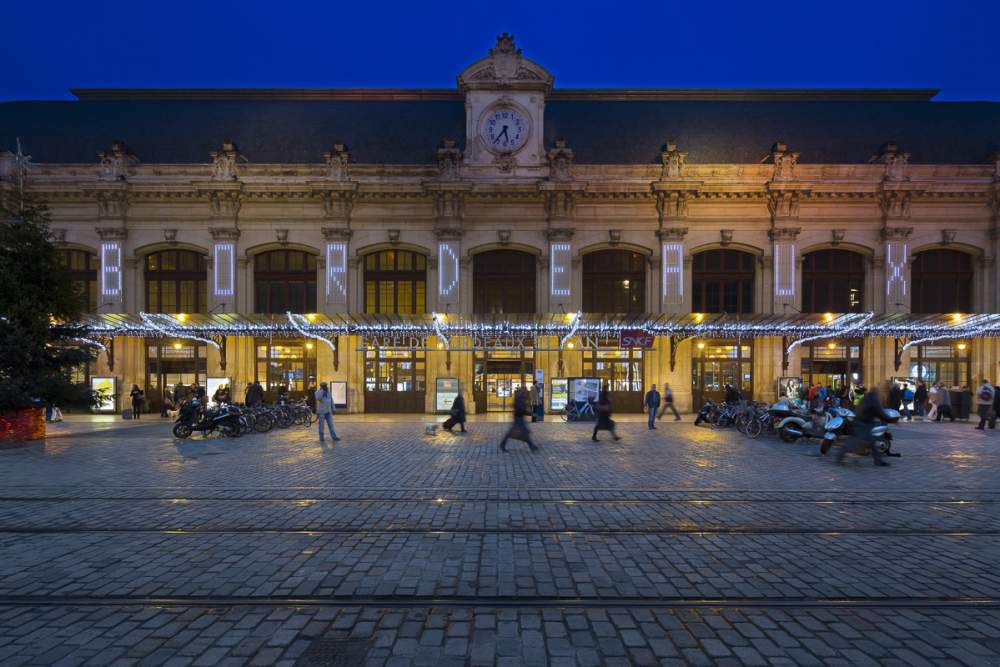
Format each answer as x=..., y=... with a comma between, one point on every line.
x=880, y=435
x=193, y=418
x=792, y=424
x=708, y=413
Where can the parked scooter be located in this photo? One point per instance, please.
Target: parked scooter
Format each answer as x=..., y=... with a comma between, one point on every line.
x=793, y=424
x=193, y=417
x=708, y=413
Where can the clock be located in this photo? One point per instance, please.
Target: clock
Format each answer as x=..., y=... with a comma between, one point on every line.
x=504, y=130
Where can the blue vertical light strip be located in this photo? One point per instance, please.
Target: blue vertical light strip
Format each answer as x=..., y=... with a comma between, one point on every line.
x=336, y=270
x=447, y=270
x=559, y=269
x=111, y=269
x=673, y=273
x=224, y=263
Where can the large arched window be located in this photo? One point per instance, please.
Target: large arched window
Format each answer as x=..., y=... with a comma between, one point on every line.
x=614, y=281
x=285, y=280
x=942, y=282
x=503, y=282
x=176, y=282
x=395, y=282
x=833, y=281
x=83, y=266
x=722, y=282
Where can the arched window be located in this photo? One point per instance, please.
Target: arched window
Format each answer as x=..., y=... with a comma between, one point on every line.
x=941, y=281
x=395, y=282
x=285, y=280
x=722, y=282
x=833, y=281
x=614, y=281
x=176, y=282
x=83, y=267
x=504, y=282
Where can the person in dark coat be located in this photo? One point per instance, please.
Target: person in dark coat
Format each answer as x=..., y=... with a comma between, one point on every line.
x=920, y=399
x=519, y=429
x=457, y=413
x=895, y=396
x=604, y=420
x=137, y=399
x=652, y=403
x=732, y=395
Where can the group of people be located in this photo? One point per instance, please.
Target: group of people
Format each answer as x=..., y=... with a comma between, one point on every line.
x=932, y=403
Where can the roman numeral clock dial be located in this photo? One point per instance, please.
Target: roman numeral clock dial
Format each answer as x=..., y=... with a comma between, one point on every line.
x=504, y=130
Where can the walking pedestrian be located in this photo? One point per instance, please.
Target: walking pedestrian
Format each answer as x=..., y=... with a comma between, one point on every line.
x=137, y=398
x=944, y=403
x=895, y=396
x=668, y=402
x=932, y=400
x=920, y=399
x=652, y=403
x=908, y=396
x=996, y=408
x=604, y=420
x=536, y=403
x=519, y=429
x=324, y=410
x=984, y=402
x=457, y=413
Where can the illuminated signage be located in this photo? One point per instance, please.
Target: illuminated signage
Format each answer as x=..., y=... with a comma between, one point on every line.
x=673, y=273
x=784, y=269
x=447, y=270
x=224, y=263
x=111, y=269
x=559, y=268
x=336, y=272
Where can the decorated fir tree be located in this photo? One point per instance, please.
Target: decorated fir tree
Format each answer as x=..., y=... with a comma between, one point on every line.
x=39, y=306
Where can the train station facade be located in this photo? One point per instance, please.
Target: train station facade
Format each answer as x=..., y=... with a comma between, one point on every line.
x=404, y=242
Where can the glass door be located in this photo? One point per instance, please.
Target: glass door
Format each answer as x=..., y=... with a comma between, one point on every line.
x=716, y=364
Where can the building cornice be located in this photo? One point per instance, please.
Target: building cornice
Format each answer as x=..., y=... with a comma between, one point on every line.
x=451, y=94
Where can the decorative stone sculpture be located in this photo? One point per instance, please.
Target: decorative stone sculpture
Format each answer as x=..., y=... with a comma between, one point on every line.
x=673, y=162
x=895, y=161
x=336, y=162
x=225, y=162
x=784, y=162
x=727, y=236
x=115, y=162
x=449, y=158
x=560, y=162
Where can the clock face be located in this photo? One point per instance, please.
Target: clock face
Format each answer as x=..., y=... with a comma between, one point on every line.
x=504, y=130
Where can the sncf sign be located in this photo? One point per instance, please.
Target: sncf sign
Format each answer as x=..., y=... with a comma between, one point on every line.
x=635, y=338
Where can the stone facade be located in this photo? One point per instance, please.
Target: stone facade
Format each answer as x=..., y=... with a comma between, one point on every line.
x=538, y=199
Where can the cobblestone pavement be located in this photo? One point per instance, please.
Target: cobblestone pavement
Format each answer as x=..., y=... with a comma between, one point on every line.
x=678, y=546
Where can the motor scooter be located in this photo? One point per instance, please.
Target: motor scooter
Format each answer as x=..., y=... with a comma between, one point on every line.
x=792, y=424
x=193, y=417
x=880, y=437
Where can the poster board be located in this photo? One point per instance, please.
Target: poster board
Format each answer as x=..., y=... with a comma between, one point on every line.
x=338, y=390
x=788, y=387
x=446, y=389
x=559, y=393
x=108, y=386
x=585, y=390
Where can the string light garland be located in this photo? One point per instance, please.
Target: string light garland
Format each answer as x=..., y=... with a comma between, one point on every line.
x=293, y=320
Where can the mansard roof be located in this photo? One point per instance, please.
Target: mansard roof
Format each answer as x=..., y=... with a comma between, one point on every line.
x=601, y=126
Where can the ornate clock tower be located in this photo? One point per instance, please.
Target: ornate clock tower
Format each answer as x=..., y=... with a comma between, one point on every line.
x=505, y=114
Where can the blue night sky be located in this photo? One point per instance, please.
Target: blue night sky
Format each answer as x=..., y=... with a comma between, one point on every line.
x=47, y=47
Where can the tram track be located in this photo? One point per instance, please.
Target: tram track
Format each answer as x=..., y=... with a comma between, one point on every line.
x=870, y=532
x=499, y=602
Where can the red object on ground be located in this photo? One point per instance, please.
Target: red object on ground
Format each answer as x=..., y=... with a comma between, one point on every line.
x=20, y=427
